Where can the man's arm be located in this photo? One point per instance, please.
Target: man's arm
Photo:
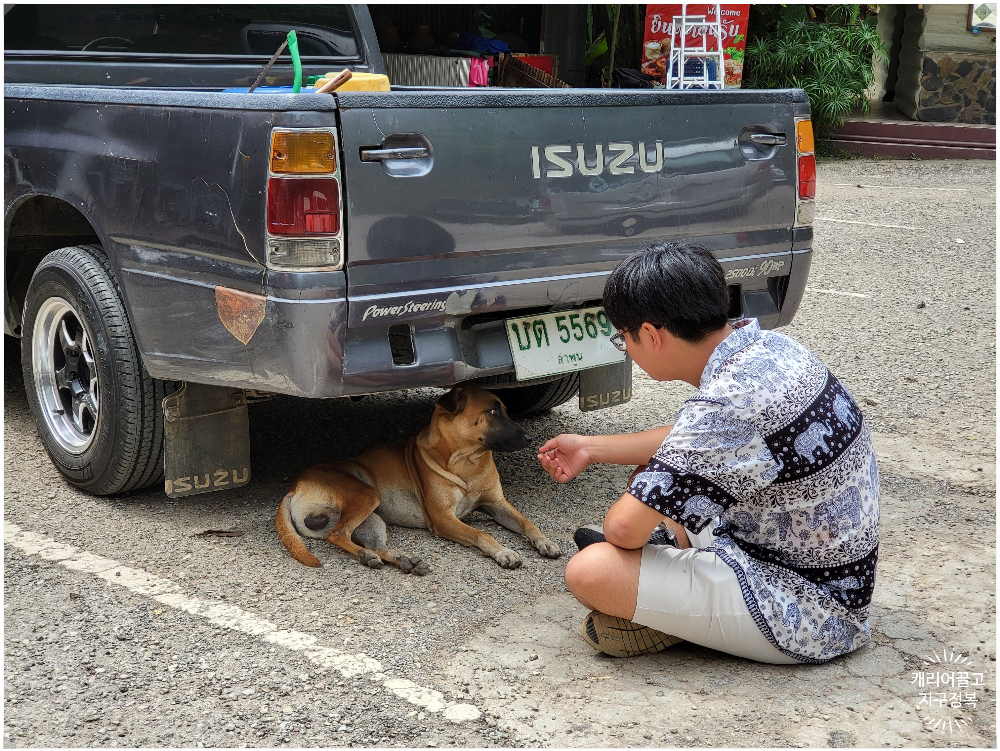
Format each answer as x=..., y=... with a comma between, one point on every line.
x=566, y=456
x=630, y=448
x=629, y=522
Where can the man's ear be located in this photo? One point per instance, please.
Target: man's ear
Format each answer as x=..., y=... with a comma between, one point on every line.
x=656, y=338
x=454, y=401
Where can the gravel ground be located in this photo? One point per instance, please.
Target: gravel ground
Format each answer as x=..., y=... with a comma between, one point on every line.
x=92, y=662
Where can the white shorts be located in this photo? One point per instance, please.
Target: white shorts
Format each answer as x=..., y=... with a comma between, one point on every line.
x=693, y=594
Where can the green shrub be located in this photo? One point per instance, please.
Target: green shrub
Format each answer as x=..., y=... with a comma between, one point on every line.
x=827, y=50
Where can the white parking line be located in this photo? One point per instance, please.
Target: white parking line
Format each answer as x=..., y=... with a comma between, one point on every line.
x=865, y=224
x=228, y=616
x=835, y=292
x=898, y=187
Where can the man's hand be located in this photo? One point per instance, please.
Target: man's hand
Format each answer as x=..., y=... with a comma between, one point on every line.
x=565, y=456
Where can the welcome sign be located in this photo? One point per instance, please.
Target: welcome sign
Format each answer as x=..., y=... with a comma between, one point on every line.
x=659, y=32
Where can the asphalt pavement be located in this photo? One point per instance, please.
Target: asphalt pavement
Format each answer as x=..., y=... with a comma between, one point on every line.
x=124, y=626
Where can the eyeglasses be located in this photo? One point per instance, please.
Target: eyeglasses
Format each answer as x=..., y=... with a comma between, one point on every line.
x=618, y=340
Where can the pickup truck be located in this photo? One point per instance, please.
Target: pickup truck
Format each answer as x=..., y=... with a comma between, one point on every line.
x=173, y=249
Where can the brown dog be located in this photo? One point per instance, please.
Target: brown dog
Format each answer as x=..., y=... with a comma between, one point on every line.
x=429, y=482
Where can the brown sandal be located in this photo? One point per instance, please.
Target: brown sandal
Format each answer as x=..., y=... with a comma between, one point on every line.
x=619, y=637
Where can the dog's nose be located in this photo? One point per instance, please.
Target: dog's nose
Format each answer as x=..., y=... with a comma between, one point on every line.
x=527, y=438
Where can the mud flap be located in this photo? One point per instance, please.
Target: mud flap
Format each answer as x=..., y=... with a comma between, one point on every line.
x=207, y=440
x=607, y=386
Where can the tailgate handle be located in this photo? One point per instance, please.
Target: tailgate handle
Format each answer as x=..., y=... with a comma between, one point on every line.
x=406, y=152
x=768, y=139
x=402, y=154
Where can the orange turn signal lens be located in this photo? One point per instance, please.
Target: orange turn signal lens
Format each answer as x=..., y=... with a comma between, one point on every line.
x=304, y=153
x=804, y=137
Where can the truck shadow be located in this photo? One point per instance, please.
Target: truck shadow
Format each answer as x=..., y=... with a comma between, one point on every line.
x=288, y=435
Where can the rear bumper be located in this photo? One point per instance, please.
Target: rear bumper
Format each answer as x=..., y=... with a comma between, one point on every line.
x=802, y=254
x=801, y=261
x=296, y=348
x=459, y=334
x=322, y=345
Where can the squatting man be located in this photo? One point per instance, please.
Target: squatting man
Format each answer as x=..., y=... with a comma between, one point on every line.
x=750, y=525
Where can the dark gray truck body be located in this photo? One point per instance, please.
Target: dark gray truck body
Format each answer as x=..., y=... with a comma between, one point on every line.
x=172, y=183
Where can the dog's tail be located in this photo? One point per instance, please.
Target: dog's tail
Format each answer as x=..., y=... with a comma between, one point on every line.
x=290, y=537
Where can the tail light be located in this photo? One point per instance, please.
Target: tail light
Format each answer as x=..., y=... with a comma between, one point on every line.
x=805, y=207
x=804, y=142
x=807, y=176
x=305, y=153
x=304, y=207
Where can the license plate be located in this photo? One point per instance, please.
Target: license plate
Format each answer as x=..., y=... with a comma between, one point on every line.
x=555, y=343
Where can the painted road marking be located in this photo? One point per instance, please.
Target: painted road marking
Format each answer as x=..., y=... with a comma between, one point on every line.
x=866, y=224
x=231, y=617
x=895, y=187
x=835, y=292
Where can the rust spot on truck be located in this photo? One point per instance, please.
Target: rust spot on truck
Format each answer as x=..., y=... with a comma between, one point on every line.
x=240, y=312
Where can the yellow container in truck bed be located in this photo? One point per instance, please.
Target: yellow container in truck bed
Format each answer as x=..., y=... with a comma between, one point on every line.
x=359, y=82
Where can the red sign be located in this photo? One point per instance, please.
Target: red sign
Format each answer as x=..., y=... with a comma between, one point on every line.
x=660, y=28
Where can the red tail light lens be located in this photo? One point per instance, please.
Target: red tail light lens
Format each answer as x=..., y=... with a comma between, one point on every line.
x=303, y=206
x=807, y=176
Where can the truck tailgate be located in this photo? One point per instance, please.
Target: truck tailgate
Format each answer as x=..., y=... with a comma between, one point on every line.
x=502, y=196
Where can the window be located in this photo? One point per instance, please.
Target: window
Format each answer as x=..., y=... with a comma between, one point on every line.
x=322, y=30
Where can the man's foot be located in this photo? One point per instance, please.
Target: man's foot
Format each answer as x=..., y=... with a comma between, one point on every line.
x=588, y=535
x=591, y=533
x=619, y=637
x=663, y=536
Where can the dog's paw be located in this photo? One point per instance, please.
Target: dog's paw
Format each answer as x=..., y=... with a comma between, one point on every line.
x=369, y=559
x=411, y=564
x=507, y=558
x=548, y=548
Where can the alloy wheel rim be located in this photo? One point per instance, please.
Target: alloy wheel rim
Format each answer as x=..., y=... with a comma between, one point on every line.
x=65, y=375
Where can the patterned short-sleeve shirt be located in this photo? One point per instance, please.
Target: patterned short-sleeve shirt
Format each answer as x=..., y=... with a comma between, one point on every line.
x=774, y=451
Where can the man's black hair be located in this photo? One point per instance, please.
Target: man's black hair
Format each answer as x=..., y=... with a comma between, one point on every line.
x=677, y=286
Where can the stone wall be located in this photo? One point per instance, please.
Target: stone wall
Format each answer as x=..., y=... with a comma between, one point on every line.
x=958, y=88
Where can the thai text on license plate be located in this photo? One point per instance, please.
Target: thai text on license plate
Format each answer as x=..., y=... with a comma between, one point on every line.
x=554, y=343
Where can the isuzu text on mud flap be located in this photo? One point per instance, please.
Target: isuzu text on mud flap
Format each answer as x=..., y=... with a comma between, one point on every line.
x=176, y=244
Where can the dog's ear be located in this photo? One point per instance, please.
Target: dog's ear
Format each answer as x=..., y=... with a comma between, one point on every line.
x=454, y=401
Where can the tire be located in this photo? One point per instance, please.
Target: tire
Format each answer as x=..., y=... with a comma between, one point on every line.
x=521, y=401
x=96, y=409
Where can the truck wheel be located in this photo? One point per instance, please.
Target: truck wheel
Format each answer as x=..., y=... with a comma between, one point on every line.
x=526, y=400
x=95, y=407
